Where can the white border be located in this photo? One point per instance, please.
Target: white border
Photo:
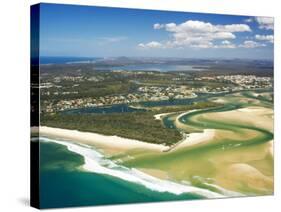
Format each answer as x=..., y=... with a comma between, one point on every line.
x=14, y=82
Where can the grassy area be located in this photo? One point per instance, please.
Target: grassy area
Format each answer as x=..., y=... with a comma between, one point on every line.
x=136, y=125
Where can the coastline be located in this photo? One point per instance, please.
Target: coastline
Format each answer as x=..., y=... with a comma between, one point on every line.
x=111, y=143
x=116, y=144
x=242, y=161
x=154, y=180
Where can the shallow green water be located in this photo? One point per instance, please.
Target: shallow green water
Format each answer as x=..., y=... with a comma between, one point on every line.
x=206, y=160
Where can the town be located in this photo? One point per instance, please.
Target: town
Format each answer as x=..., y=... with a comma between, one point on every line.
x=143, y=92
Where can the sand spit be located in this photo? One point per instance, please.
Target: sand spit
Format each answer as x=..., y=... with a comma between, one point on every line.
x=196, y=138
x=161, y=115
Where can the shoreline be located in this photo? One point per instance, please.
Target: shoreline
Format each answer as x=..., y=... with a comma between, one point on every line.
x=116, y=144
x=112, y=143
x=152, y=179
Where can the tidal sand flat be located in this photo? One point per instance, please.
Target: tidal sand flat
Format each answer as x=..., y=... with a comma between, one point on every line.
x=229, y=145
x=256, y=173
x=253, y=116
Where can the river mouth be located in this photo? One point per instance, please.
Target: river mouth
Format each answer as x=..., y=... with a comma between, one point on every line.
x=240, y=142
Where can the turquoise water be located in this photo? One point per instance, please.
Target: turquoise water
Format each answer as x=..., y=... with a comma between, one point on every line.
x=63, y=185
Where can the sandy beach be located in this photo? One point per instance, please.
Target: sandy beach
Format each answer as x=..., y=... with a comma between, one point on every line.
x=116, y=144
x=111, y=143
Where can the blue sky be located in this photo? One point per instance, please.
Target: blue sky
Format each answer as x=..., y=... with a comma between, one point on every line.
x=67, y=30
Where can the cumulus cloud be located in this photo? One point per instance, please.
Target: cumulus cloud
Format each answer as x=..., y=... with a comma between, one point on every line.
x=152, y=44
x=265, y=22
x=200, y=26
x=197, y=34
x=269, y=38
x=251, y=44
x=158, y=26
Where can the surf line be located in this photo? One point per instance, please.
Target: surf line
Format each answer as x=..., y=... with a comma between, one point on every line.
x=95, y=162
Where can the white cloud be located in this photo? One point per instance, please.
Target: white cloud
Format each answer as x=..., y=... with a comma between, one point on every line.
x=265, y=22
x=200, y=26
x=197, y=34
x=225, y=44
x=269, y=38
x=251, y=44
x=249, y=20
x=223, y=35
x=236, y=28
x=152, y=44
x=158, y=26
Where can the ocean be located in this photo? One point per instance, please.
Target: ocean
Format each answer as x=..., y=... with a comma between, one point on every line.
x=66, y=60
x=63, y=183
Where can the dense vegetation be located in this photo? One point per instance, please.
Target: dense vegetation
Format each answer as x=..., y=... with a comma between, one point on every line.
x=136, y=125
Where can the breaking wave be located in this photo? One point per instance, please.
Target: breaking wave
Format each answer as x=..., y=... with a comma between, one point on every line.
x=95, y=162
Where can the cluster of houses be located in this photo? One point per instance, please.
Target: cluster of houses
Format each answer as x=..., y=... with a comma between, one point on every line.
x=156, y=93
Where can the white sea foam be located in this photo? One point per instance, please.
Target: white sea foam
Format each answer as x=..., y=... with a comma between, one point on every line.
x=97, y=163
